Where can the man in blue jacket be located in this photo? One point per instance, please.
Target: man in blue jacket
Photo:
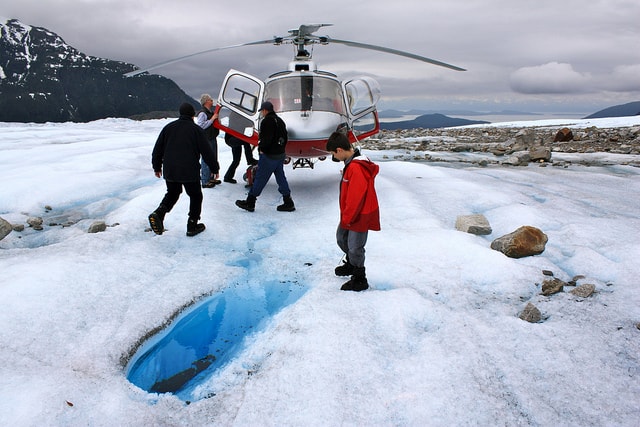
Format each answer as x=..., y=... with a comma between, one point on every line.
x=176, y=156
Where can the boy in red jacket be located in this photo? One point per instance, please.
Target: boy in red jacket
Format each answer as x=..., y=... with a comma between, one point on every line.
x=359, y=211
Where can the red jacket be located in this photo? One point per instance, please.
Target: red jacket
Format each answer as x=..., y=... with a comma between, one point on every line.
x=359, y=210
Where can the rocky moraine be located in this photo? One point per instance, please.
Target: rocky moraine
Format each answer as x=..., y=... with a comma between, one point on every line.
x=512, y=145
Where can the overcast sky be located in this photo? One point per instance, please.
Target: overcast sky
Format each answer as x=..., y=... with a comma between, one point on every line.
x=561, y=56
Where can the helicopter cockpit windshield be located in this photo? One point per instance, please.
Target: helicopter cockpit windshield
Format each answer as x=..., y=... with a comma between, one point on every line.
x=309, y=93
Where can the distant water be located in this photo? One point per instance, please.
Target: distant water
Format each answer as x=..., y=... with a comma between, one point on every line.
x=499, y=118
x=526, y=117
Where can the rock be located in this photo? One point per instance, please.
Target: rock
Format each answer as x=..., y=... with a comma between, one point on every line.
x=584, y=291
x=563, y=135
x=5, y=228
x=475, y=224
x=517, y=159
x=531, y=314
x=501, y=141
x=511, y=160
x=547, y=273
x=540, y=153
x=526, y=137
x=525, y=241
x=97, y=227
x=552, y=286
x=35, y=222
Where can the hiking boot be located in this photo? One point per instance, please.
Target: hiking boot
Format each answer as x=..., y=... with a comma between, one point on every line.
x=287, y=206
x=356, y=284
x=194, y=227
x=247, y=205
x=345, y=269
x=209, y=184
x=358, y=281
x=230, y=181
x=156, y=220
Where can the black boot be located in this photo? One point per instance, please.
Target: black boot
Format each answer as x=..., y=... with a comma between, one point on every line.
x=358, y=281
x=156, y=219
x=248, y=205
x=194, y=227
x=287, y=206
x=344, y=269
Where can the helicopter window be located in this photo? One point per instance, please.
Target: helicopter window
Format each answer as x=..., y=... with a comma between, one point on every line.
x=242, y=93
x=364, y=124
x=305, y=93
x=362, y=94
x=235, y=121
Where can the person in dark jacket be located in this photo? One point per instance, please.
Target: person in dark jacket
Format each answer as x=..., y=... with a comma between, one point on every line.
x=273, y=139
x=176, y=156
x=359, y=210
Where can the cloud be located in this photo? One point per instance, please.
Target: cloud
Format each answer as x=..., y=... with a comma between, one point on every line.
x=623, y=78
x=550, y=78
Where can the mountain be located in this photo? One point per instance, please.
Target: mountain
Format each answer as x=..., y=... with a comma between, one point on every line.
x=428, y=121
x=623, y=110
x=392, y=114
x=43, y=79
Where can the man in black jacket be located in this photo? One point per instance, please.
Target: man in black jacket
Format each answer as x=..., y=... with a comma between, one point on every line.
x=273, y=139
x=178, y=150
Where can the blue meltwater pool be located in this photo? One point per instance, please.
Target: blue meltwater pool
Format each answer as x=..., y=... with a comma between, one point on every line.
x=207, y=336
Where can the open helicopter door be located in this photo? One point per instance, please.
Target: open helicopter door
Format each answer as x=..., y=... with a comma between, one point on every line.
x=238, y=104
x=362, y=94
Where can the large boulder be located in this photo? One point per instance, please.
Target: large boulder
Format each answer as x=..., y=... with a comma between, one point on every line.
x=5, y=228
x=538, y=154
x=525, y=241
x=563, y=135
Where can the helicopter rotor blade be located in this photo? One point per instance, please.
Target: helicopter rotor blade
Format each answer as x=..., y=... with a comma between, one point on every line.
x=171, y=61
x=394, y=52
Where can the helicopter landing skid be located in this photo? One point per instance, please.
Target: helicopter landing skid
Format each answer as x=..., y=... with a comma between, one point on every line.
x=303, y=163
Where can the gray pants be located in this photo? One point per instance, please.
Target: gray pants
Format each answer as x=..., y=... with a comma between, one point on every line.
x=352, y=244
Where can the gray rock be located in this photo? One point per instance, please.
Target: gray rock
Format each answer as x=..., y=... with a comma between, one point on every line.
x=540, y=154
x=475, y=224
x=584, y=291
x=531, y=314
x=97, y=227
x=5, y=228
x=552, y=286
x=35, y=222
x=512, y=160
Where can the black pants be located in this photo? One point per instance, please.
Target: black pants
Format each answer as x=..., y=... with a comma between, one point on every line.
x=194, y=192
x=236, y=153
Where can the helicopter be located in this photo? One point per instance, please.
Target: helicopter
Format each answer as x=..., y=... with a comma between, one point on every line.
x=313, y=103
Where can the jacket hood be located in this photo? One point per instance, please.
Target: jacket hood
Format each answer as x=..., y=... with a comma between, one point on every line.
x=365, y=163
